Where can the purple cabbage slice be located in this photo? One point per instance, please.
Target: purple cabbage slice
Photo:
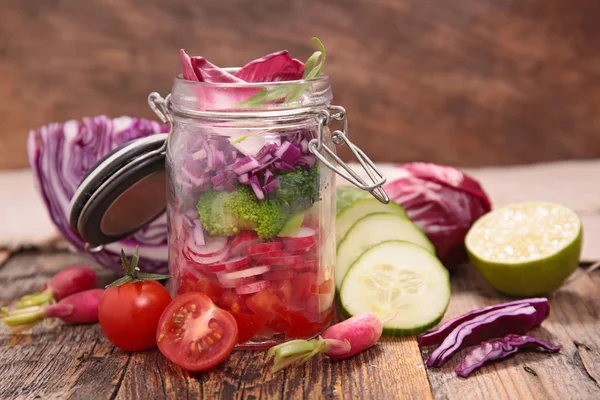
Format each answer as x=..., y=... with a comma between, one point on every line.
x=499, y=349
x=436, y=336
x=519, y=319
x=60, y=154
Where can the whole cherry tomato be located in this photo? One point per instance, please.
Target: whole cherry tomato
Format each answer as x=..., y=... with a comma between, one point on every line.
x=130, y=308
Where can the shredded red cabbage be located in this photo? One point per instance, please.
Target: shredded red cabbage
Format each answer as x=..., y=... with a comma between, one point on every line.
x=519, y=319
x=499, y=349
x=444, y=202
x=436, y=336
x=60, y=154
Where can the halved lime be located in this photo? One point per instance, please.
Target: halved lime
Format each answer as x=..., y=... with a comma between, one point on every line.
x=526, y=249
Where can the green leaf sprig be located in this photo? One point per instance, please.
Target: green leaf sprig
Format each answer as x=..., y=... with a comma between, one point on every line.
x=132, y=272
x=291, y=92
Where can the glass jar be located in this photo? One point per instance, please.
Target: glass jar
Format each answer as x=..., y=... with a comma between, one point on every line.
x=251, y=202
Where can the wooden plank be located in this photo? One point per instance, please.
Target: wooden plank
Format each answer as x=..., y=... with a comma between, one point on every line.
x=56, y=361
x=460, y=82
x=573, y=323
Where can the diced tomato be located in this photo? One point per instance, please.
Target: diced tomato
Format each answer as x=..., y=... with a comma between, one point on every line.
x=265, y=304
x=249, y=325
x=302, y=286
x=230, y=301
x=302, y=327
x=192, y=283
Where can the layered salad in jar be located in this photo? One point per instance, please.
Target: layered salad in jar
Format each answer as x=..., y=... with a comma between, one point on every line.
x=251, y=216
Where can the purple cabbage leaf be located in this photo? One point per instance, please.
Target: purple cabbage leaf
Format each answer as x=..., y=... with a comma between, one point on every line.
x=444, y=202
x=499, y=349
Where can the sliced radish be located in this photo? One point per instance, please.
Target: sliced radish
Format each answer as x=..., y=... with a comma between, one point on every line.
x=305, y=238
x=252, y=287
x=279, y=274
x=282, y=261
x=244, y=273
x=303, y=250
x=309, y=265
x=226, y=283
x=263, y=247
x=231, y=264
x=242, y=240
x=191, y=256
x=214, y=268
x=213, y=245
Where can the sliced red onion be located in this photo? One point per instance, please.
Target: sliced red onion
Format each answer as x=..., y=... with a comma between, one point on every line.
x=245, y=165
x=288, y=153
x=195, y=180
x=199, y=155
x=307, y=161
x=267, y=149
x=283, y=166
x=268, y=176
x=218, y=179
x=198, y=233
x=256, y=188
x=304, y=146
x=244, y=179
x=219, y=159
x=271, y=186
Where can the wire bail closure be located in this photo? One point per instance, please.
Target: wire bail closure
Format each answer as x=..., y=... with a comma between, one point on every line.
x=378, y=179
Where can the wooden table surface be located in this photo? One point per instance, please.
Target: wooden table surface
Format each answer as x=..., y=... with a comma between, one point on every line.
x=56, y=361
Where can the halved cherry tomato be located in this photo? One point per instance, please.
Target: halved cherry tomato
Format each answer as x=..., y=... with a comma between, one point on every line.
x=248, y=325
x=196, y=334
x=302, y=285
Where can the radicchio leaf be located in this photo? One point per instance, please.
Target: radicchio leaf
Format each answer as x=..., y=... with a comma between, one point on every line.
x=60, y=154
x=274, y=67
x=204, y=71
x=436, y=336
x=499, y=349
x=444, y=202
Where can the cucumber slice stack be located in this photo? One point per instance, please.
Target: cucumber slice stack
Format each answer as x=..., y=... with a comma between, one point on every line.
x=373, y=229
x=400, y=281
x=386, y=265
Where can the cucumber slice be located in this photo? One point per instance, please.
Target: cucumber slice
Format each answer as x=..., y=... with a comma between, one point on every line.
x=397, y=277
x=371, y=230
x=352, y=204
x=293, y=225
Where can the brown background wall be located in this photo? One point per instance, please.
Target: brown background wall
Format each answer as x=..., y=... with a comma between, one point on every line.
x=464, y=82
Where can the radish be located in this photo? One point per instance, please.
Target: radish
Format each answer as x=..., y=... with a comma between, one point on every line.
x=245, y=273
x=280, y=261
x=242, y=240
x=305, y=238
x=341, y=340
x=252, y=287
x=65, y=283
x=263, y=248
x=233, y=264
x=78, y=308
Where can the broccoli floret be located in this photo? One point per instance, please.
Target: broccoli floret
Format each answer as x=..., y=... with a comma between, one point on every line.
x=227, y=213
x=299, y=190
